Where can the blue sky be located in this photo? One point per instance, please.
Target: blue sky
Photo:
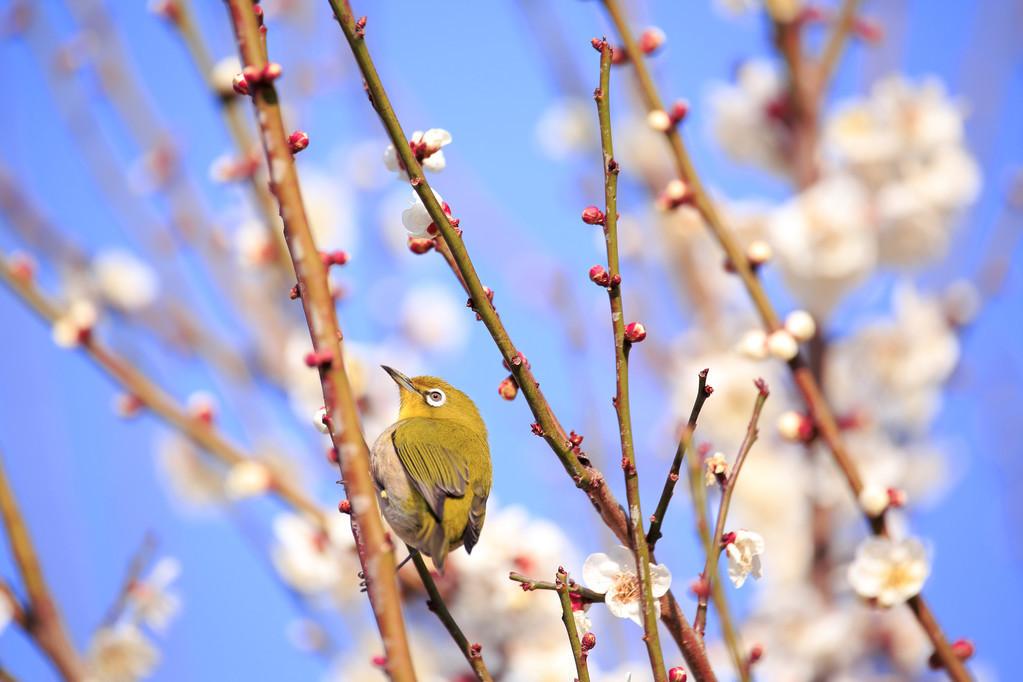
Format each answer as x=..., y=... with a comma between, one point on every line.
x=88, y=483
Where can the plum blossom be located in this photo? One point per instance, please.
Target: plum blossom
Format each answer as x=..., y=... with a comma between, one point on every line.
x=190, y=477
x=124, y=280
x=744, y=552
x=120, y=653
x=426, y=146
x=416, y=219
x=314, y=561
x=745, y=120
x=890, y=571
x=433, y=319
x=149, y=597
x=715, y=466
x=247, y=478
x=824, y=241
x=614, y=575
x=73, y=326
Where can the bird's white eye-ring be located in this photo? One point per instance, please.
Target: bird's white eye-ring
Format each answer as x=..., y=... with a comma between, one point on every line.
x=435, y=397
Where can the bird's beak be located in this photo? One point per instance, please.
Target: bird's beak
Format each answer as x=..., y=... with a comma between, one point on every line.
x=400, y=379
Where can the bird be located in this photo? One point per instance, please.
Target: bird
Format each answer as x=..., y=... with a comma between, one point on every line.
x=432, y=468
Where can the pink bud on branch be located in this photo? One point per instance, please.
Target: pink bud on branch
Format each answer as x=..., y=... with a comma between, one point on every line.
x=593, y=216
x=677, y=674
x=600, y=276
x=334, y=257
x=651, y=40
x=298, y=141
x=635, y=332
x=588, y=641
x=508, y=389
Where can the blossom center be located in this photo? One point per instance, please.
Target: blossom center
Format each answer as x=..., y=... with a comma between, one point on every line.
x=626, y=587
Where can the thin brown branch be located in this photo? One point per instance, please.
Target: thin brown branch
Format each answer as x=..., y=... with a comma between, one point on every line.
x=41, y=616
x=568, y=618
x=136, y=384
x=622, y=346
x=710, y=566
x=805, y=383
x=472, y=652
x=138, y=563
x=835, y=45
x=587, y=595
x=375, y=550
x=685, y=441
x=586, y=477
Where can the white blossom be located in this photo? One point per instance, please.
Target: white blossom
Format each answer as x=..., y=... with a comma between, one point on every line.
x=79, y=319
x=782, y=345
x=192, y=479
x=153, y=604
x=416, y=219
x=614, y=576
x=433, y=319
x=125, y=281
x=316, y=562
x=744, y=556
x=741, y=113
x=824, y=241
x=890, y=571
x=120, y=654
x=715, y=466
x=566, y=127
x=873, y=499
x=247, y=478
x=430, y=142
x=253, y=244
x=801, y=325
x=222, y=75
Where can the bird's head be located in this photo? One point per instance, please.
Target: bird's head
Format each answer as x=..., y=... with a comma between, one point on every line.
x=434, y=398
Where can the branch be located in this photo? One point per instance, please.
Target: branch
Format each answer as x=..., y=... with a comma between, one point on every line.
x=138, y=563
x=472, y=652
x=712, y=543
x=587, y=595
x=835, y=44
x=703, y=392
x=568, y=618
x=805, y=383
x=375, y=549
x=637, y=537
x=41, y=618
x=136, y=384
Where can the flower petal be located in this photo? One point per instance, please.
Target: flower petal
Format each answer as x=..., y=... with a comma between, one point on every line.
x=599, y=571
x=660, y=580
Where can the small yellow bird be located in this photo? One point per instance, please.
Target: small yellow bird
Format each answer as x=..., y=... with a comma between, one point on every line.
x=432, y=468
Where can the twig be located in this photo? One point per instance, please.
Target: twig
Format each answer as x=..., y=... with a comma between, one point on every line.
x=136, y=384
x=637, y=536
x=375, y=550
x=657, y=520
x=712, y=543
x=472, y=652
x=138, y=563
x=587, y=595
x=835, y=44
x=587, y=478
x=41, y=617
x=806, y=384
x=568, y=618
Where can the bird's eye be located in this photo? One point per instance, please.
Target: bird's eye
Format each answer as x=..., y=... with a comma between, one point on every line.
x=435, y=397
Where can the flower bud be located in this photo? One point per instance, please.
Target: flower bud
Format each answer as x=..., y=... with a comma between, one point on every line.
x=873, y=499
x=420, y=245
x=508, y=389
x=344, y=506
x=801, y=325
x=758, y=253
x=679, y=110
x=247, y=478
x=700, y=587
x=298, y=141
x=127, y=405
x=22, y=266
x=962, y=648
x=593, y=216
x=897, y=497
x=753, y=344
x=598, y=44
x=782, y=345
x=676, y=191
x=635, y=332
x=320, y=420
x=588, y=641
x=795, y=427
x=651, y=39
x=334, y=257
x=272, y=72
x=677, y=674
x=659, y=120
x=202, y=406
x=240, y=84
x=756, y=653
x=599, y=276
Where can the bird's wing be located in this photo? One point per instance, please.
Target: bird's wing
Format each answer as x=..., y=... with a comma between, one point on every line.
x=477, y=514
x=435, y=454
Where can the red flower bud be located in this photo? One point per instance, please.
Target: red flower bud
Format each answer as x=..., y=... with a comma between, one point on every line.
x=508, y=389
x=272, y=72
x=677, y=674
x=588, y=641
x=298, y=141
x=344, y=506
x=896, y=497
x=700, y=587
x=635, y=332
x=599, y=276
x=598, y=43
x=593, y=216
x=240, y=84
x=334, y=257
x=651, y=39
x=420, y=245
x=678, y=111
x=332, y=455
x=962, y=648
x=756, y=653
